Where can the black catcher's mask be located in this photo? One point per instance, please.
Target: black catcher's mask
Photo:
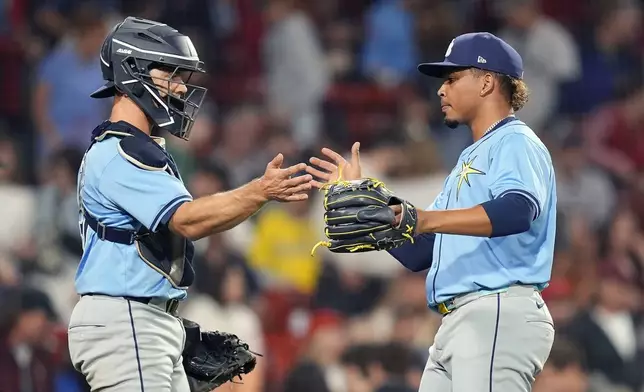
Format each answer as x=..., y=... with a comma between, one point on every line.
x=136, y=47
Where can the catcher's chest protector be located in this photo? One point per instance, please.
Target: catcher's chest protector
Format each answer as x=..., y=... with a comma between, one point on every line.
x=164, y=251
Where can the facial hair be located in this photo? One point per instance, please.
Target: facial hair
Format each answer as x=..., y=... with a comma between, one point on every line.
x=451, y=124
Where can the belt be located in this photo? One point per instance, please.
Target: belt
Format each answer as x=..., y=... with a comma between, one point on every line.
x=169, y=306
x=452, y=304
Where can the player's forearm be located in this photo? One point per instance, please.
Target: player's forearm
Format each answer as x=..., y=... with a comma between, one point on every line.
x=469, y=221
x=219, y=212
x=507, y=215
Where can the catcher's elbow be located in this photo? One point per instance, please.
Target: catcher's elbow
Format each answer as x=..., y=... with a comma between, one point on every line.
x=181, y=224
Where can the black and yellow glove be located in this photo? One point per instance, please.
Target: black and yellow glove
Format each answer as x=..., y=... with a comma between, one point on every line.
x=358, y=217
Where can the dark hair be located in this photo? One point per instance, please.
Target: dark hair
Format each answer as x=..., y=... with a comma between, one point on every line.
x=515, y=90
x=86, y=17
x=216, y=168
x=396, y=358
x=70, y=157
x=564, y=354
x=361, y=356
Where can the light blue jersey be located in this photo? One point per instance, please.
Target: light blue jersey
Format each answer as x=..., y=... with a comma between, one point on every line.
x=120, y=194
x=508, y=159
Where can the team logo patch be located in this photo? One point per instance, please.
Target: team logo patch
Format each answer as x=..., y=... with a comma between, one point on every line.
x=464, y=175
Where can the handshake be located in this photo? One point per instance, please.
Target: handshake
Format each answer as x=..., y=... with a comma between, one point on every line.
x=361, y=214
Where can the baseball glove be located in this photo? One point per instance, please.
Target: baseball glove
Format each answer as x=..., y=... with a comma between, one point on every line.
x=211, y=359
x=359, y=218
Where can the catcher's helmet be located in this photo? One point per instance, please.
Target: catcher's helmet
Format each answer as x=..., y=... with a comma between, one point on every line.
x=131, y=50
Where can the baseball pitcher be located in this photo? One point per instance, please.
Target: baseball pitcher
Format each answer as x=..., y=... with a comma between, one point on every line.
x=487, y=240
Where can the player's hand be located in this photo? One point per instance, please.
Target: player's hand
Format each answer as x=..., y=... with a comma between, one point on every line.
x=328, y=170
x=397, y=209
x=280, y=184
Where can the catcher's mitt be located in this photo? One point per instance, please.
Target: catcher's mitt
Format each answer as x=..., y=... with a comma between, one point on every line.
x=358, y=217
x=211, y=359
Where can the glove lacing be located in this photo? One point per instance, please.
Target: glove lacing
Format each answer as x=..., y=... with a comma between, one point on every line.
x=375, y=184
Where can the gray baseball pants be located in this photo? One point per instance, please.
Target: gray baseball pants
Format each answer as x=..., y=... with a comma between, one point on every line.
x=490, y=343
x=127, y=346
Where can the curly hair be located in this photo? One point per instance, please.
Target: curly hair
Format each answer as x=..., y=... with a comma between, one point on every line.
x=515, y=90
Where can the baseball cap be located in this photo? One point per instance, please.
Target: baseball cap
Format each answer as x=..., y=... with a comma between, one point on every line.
x=477, y=50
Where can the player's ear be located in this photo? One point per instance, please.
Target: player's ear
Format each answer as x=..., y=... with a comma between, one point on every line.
x=487, y=84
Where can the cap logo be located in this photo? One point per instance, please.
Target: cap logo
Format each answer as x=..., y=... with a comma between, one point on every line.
x=449, y=49
x=481, y=60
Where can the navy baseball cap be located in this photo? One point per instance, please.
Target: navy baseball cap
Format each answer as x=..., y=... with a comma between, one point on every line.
x=477, y=50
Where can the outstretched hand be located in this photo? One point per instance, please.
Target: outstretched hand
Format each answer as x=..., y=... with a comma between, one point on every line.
x=279, y=184
x=329, y=170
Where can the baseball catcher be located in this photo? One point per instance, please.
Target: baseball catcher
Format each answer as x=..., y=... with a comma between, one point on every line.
x=364, y=215
x=138, y=223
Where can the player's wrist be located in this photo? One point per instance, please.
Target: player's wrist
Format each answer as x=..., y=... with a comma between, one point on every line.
x=258, y=191
x=427, y=224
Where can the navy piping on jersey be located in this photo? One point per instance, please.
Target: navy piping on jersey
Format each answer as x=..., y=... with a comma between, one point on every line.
x=530, y=197
x=496, y=333
x=136, y=345
x=440, y=248
x=487, y=134
x=174, y=203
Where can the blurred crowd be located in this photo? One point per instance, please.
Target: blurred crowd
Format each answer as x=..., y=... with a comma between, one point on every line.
x=292, y=76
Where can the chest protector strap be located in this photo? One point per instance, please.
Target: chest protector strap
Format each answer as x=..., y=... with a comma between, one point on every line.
x=164, y=251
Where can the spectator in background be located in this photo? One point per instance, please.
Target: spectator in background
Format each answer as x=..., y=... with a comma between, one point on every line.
x=63, y=112
x=336, y=283
x=624, y=245
x=281, y=250
x=18, y=206
x=559, y=296
x=401, y=367
x=214, y=254
x=609, y=58
x=56, y=232
x=296, y=74
x=549, y=52
x=583, y=191
x=361, y=370
x=321, y=360
x=564, y=371
x=224, y=284
x=240, y=146
x=381, y=367
x=56, y=243
x=614, y=138
x=610, y=332
x=390, y=53
x=26, y=362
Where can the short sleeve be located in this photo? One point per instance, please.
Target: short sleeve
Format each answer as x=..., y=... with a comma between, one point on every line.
x=519, y=165
x=150, y=197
